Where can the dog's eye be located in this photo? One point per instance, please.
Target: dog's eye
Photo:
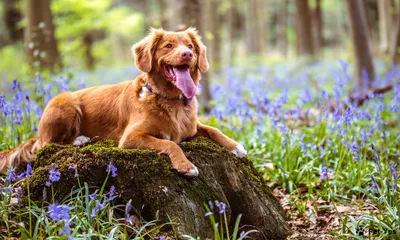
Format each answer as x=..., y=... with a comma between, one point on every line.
x=190, y=46
x=168, y=45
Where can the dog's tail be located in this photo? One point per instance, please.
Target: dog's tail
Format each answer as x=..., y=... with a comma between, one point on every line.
x=24, y=153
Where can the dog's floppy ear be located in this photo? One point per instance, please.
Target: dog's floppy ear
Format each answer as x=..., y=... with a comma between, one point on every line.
x=200, y=49
x=144, y=50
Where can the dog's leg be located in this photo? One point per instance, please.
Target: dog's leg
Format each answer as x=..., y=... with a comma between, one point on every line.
x=138, y=139
x=216, y=135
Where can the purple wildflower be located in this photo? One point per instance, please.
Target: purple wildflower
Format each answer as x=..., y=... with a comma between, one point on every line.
x=393, y=172
x=112, y=193
x=18, y=191
x=208, y=214
x=11, y=175
x=221, y=206
x=27, y=173
x=60, y=213
x=111, y=168
x=128, y=208
x=374, y=184
x=324, y=172
x=375, y=158
x=54, y=175
x=97, y=207
x=303, y=147
x=93, y=196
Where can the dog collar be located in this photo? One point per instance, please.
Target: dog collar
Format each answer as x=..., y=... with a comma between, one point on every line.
x=186, y=101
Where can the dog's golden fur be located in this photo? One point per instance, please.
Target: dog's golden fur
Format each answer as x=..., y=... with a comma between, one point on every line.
x=128, y=112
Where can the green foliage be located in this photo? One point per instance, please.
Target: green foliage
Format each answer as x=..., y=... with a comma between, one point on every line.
x=75, y=18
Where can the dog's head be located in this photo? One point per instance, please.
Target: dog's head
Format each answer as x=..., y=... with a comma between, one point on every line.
x=177, y=56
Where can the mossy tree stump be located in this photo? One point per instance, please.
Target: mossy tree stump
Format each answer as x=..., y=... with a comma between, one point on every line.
x=155, y=188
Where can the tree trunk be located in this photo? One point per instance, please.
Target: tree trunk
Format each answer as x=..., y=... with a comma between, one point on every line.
x=317, y=26
x=12, y=15
x=255, y=27
x=282, y=19
x=163, y=13
x=191, y=14
x=395, y=46
x=304, y=28
x=385, y=24
x=359, y=32
x=155, y=188
x=235, y=28
x=42, y=46
x=214, y=24
x=88, y=45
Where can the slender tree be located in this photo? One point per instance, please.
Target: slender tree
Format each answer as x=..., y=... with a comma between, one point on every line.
x=40, y=40
x=256, y=35
x=359, y=33
x=11, y=16
x=395, y=45
x=304, y=28
x=163, y=13
x=234, y=20
x=214, y=22
x=317, y=24
x=282, y=19
x=385, y=22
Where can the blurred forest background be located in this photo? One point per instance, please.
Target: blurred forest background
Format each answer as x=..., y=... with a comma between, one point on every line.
x=74, y=36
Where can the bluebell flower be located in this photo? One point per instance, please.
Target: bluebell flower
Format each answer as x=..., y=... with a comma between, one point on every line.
x=324, y=172
x=303, y=147
x=93, y=196
x=111, y=168
x=97, y=207
x=221, y=206
x=128, y=208
x=374, y=184
x=11, y=175
x=18, y=191
x=27, y=173
x=111, y=193
x=393, y=172
x=54, y=175
x=323, y=152
x=211, y=205
x=364, y=136
x=60, y=213
x=2, y=101
x=16, y=86
x=208, y=214
x=376, y=157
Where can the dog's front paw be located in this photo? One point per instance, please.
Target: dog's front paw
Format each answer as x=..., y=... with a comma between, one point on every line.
x=194, y=172
x=239, y=151
x=187, y=169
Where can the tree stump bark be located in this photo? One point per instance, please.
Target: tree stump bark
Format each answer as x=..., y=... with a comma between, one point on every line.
x=155, y=188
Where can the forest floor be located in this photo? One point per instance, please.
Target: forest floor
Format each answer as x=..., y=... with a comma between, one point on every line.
x=323, y=219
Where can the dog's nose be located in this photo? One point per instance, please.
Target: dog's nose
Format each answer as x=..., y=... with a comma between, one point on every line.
x=187, y=55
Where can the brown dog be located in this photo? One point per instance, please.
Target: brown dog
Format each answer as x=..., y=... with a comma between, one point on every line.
x=155, y=111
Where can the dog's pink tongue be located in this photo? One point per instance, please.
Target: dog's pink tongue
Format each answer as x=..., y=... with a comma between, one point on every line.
x=184, y=81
